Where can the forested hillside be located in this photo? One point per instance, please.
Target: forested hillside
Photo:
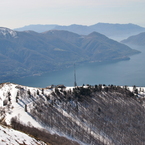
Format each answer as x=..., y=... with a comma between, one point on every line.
x=100, y=115
x=29, y=53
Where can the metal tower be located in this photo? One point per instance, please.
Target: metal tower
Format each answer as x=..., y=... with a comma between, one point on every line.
x=75, y=83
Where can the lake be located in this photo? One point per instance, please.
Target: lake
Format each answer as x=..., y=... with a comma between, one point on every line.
x=130, y=72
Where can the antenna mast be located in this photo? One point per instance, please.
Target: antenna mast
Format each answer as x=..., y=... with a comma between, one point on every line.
x=75, y=83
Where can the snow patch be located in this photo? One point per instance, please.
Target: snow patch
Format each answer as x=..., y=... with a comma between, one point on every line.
x=16, y=109
x=6, y=32
x=10, y=136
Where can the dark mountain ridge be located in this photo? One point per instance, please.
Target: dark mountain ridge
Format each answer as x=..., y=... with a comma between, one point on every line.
x=28, y=53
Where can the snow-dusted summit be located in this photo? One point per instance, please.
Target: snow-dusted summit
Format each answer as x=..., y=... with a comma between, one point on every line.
x=8, y=32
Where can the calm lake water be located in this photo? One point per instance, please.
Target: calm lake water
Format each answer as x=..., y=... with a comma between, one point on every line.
x=130, y=72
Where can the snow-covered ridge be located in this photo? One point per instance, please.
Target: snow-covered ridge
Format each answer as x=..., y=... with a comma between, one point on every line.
x=43, y=107
x=13, y=108
x=9, y=93
x=13, y=100
x=8, y=32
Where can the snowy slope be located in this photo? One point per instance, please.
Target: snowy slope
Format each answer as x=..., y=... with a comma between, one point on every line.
x=16, y=109
x=14, y=99
x=13, y=108
x=10, y=136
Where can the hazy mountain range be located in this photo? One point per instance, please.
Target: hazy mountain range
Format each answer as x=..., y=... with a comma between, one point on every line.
x=28, y=52
x=115, y=31
x=136, y=40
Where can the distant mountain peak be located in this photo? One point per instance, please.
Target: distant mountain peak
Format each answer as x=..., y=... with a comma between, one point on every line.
x=52, y=31
x=61, y=33
x=138, y=39
x=94, y=34
x=8, y=32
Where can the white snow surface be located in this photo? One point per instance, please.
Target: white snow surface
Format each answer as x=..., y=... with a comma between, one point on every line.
x=141, y=90
x=10, y=136
x=6, y=31
x=16, y=109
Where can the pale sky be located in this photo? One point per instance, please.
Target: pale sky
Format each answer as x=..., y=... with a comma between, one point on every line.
x=19, y=13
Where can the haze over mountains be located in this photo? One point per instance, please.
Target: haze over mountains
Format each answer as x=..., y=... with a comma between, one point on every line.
x=115, y=31
x=28, y=53
x=135, y=40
